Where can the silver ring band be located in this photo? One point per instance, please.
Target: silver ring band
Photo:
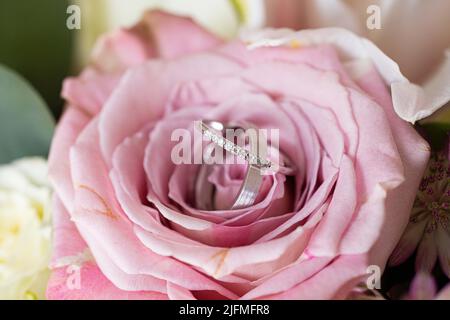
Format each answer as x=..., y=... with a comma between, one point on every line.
x=257, y=165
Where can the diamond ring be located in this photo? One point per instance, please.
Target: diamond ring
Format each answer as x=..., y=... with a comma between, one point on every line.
x=257, y=165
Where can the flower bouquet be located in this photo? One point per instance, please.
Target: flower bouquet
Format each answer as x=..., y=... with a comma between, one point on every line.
x=194, y=160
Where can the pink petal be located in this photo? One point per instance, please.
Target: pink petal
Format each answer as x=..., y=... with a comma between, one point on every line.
x=332, y=282
x=67, y=241
x=67, y=131
x=423, y=287
x=414, y=153
x=174, y=36
x=122, y=49
x=408, y=243
x=327, y=236
x=426, y=253
x=444, y=294
x=97, y=209
x=93, y=286
x=147, y=89
x=69, y=257
x=287, y=278
x=178, y=293
x=250, y=262
x=443, y=246
x=90, y=90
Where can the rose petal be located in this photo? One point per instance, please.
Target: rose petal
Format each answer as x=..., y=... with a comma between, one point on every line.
x=170, y=33
x=442, y=241
x=70, y=125
x=410, y=101
x=426, y=253
x=423, y=287
x=96, y=207
x=408, y=243
x=332, y=282
x=147, y=89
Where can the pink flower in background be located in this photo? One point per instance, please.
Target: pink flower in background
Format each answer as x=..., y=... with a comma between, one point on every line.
x=423, y=287
x=429, y=226
x=123, y=211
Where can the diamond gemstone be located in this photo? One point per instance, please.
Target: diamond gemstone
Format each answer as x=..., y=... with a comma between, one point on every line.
x=236, y=150
x=228, y=146
x=207, y=134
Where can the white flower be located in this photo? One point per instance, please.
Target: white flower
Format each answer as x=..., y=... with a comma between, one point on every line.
x=411, y=102
x=25, y=229
x=414, y=34
x=223, y=17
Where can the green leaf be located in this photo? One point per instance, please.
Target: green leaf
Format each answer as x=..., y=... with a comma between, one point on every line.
x=26, y=125
x=35, y=42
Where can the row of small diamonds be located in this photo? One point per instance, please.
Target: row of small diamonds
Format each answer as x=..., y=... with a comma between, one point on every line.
x=235, y=149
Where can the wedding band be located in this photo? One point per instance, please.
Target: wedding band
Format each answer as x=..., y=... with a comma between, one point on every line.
x=227, y=145
x=257, y=165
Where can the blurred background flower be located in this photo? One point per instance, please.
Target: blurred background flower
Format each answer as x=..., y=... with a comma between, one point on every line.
x=413, y=33
x=424, y=287
x=26, y=129
x=428, y=230
x=25, y=229
x=222, y=17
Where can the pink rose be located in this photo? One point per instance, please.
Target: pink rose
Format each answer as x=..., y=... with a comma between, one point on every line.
x=123, y=214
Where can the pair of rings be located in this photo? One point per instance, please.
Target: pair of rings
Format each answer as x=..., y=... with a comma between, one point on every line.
x=255, y=157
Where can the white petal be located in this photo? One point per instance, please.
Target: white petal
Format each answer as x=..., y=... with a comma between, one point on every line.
x=411, y=102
